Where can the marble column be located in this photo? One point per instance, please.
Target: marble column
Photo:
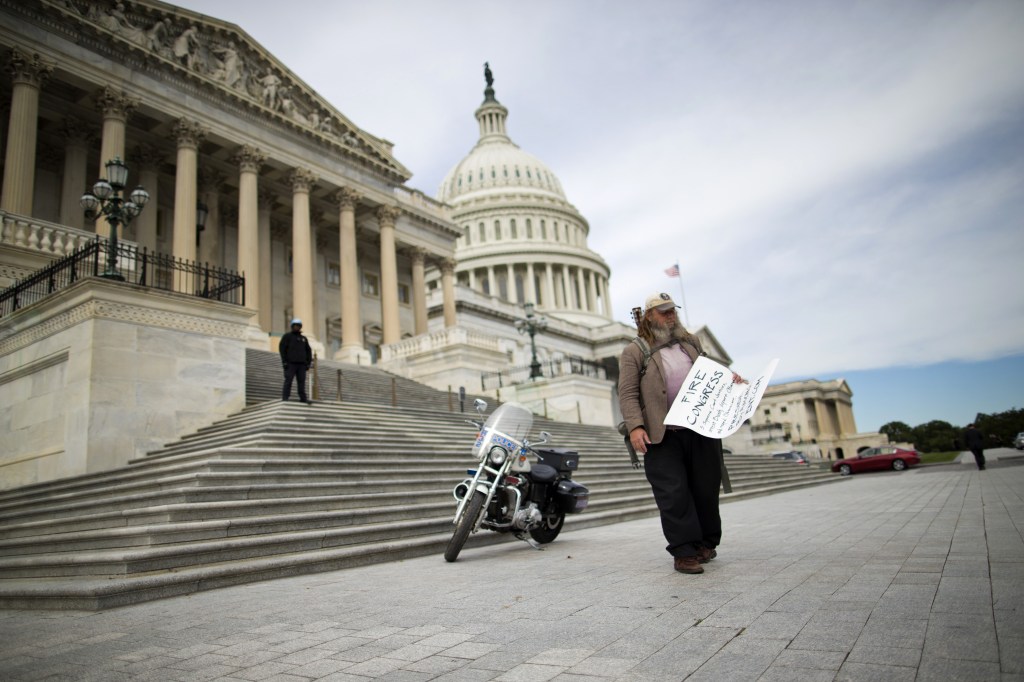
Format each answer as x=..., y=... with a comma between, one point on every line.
x=605, y=299
x=492, y=282
x=74, y=181
x=419, y=291
x=392, y=332
x=348, y=258
x=148, y=159
x=513, y=292
x=28, y=73
x=266, y=292
x=592, y=292
x=567, y=300
x=302, y=180
x=531, y=285
x=448, y=290
x=550, y=300
x=116, y=107
x=188, y=135
x=249, y=160
x=581, y=291
x=471, y=278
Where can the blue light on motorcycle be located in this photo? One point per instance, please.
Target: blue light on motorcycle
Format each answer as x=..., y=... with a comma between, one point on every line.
x=497, y=455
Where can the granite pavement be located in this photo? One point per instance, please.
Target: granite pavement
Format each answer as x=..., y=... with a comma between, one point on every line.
x=917, y=575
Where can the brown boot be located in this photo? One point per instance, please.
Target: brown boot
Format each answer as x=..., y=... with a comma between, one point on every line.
x=706, y=554
x=688, y=564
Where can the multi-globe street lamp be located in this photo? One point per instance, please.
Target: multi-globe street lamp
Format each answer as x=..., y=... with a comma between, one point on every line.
x=105, y=200
x=531, y=324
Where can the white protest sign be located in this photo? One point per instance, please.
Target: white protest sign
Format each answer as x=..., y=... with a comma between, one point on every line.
x=710, y=403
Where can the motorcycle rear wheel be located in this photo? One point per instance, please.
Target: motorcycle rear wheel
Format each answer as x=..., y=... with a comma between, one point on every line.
x=470, y=513
x=549, y=529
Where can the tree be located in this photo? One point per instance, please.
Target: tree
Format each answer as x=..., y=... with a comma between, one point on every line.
x=1001, y=427
x=898, y=432
x=937, y=436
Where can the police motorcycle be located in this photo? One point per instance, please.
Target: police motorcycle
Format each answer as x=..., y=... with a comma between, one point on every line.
x=505, y=492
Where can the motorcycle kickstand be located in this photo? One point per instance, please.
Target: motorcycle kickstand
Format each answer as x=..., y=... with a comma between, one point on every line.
x=530, y=541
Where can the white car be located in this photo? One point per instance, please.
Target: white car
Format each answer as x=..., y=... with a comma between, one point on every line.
x=1018, y=442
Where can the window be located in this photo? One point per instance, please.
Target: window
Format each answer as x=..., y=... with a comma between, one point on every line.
x=403, y=293
x=483, y=233
x=512, y=229
x=371, y=285
x=497, y=230
x=529, y=229
x=783, y=409
x=767, y=412
x=554, y=231
x=543, y=230
x=333, y=275
x=469, y=238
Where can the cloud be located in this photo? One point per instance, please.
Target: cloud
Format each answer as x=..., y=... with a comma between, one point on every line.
x=840, y=182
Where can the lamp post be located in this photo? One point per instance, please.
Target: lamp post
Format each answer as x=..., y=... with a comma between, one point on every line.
x=531, y=324
x=105, y=200
x=201, y=212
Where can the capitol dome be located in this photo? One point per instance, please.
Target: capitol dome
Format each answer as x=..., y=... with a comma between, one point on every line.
x=522, y=241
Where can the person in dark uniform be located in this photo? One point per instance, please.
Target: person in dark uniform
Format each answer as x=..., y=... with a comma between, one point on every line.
x=296, y=356
x=975, y=442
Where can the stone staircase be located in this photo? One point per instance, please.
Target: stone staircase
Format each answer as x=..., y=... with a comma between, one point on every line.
x=283, y=488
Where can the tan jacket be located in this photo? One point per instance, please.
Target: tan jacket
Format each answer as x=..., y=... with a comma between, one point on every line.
x=644, y=402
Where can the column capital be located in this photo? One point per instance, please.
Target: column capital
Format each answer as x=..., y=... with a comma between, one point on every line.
x=210, y=179
x=447, y=265
x=28, y=67
x=265, y=198
x=302, y=179
x=387, y=215
x=188, y=133
x=418, y=255
x=114, y=104
x=76, y=132
x=148, y=157
x=249, y=158
x=346, y=198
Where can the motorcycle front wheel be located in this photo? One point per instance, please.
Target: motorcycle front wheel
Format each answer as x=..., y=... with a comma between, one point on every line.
x=548, y=529
x=470, y=513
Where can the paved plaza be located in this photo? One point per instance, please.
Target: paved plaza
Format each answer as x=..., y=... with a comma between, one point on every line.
x=890, y=576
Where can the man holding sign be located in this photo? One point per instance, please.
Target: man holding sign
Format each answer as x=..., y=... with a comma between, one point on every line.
x=683, y=467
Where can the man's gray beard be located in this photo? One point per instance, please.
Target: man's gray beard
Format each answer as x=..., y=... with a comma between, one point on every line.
x=663, y=333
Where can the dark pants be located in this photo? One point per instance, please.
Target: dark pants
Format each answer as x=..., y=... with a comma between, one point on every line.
x=294, y=370
x=979, y=457
x=685, y=473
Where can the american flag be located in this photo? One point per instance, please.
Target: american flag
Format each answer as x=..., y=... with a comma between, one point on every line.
x=672, y=271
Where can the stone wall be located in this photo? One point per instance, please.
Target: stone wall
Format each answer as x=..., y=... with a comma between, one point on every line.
x=103, y=372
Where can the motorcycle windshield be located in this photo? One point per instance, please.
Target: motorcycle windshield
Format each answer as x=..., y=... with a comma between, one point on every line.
x=508, y=426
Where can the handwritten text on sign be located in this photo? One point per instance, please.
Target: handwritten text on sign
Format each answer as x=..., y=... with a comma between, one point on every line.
x=711, y=404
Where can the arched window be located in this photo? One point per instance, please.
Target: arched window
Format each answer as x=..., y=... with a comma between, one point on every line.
x=483, y=233
x=468, y=237
x=543, y=230
x=513, y=234
x=529, y=229
x=497, y=229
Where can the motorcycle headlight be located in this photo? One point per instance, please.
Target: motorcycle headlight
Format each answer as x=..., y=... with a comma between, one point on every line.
x=497, y=455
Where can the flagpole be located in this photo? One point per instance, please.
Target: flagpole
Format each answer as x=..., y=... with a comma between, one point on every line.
x=682, y=297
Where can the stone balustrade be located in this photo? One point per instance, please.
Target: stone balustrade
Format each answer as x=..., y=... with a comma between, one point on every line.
x=435, y=341
x=41, y=236
x=420, y=200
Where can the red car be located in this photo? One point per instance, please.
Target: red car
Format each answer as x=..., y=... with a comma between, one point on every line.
x=875, y=459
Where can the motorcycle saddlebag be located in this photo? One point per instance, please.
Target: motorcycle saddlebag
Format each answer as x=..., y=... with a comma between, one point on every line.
x=572, y=497
x=565, y=461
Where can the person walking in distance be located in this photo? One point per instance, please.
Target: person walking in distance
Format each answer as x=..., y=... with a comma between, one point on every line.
x=975, y=442
x=683, y=467
x=296, y=356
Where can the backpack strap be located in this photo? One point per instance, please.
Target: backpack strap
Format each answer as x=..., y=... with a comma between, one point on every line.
x=646, y=349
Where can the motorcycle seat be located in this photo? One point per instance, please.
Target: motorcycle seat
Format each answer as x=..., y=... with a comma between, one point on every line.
x=542, y=473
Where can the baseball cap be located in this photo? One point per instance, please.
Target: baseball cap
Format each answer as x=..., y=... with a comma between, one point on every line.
x=296, y=321
x=661, y=301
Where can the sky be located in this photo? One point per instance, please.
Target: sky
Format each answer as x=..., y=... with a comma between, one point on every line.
x=841, y=183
